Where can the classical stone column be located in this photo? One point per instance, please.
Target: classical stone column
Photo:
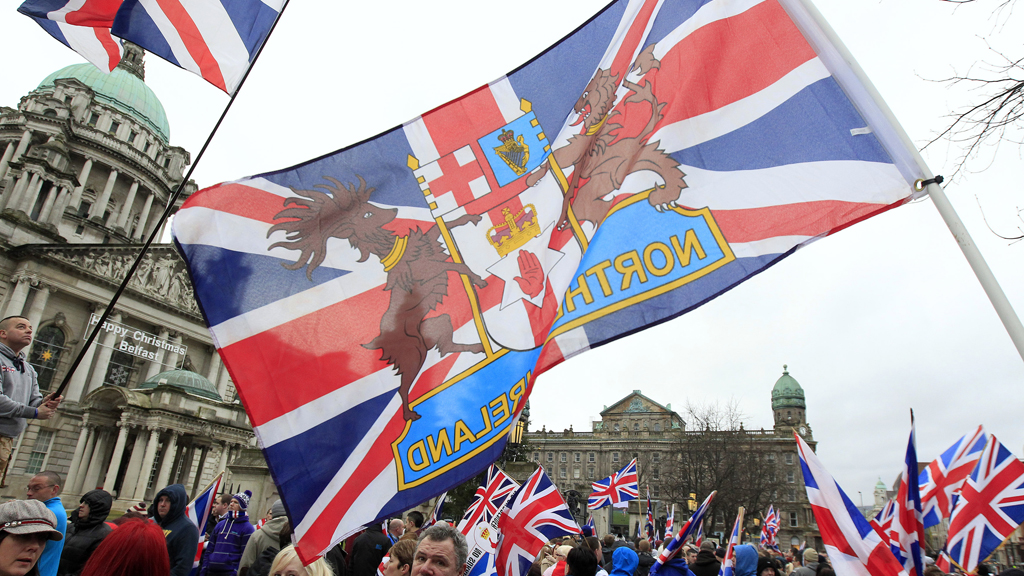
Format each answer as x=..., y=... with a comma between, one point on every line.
x=222, y=385
x=83, y=466
x=18, y=297
x=101, y=203
x=131, y=475
x=170, y=457
x=59, y=207
x=147, y=465
x=172, y=356
x=224, y=453
x=200, y=469
x=76, y=196
x=11, y=193
x=28, y=199
x=156, y=366
x=51, y=199
x=21, y=192
x=106, y=343
x=126, y=209
x=140, y=229
x=115, y=457
x=76, y=459
x=213, y=370
x=6, y=160
x=26, y=137
x=35, y=311
x=92, y=474
x=189, y=456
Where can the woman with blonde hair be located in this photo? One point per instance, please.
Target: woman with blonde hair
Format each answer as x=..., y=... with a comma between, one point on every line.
x=287, y=563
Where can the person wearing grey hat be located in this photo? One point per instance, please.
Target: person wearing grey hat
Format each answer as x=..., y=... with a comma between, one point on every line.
x=25, y=528
x=267, y=536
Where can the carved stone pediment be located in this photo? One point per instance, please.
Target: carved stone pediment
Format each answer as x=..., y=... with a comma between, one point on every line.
x=160, y=278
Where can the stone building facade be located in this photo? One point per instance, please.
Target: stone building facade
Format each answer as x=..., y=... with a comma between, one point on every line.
x=639, y=427
x=86, y=169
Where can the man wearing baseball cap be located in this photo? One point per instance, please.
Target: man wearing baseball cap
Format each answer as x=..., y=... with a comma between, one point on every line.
x=25, y=528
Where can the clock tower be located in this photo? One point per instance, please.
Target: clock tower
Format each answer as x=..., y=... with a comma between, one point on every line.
x=789, y=406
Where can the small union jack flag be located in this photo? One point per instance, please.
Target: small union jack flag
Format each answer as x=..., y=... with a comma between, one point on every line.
x=882, y=522
x=619, y=487
x=989, y=508
x=669, y=521
x=699, y=538
x=532, y=516
x=907, y=532
x=650, y=518
x=769, y=530
x=590, y=524
x=489, y=498
x=672, y=546
x=944, y=476
x=729, y=562
x=435, y=514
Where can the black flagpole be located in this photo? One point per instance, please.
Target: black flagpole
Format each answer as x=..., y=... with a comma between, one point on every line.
x=163, y=217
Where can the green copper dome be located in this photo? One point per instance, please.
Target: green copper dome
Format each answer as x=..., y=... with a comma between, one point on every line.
x=186, y=380
x=122, y=90
x=787, y=392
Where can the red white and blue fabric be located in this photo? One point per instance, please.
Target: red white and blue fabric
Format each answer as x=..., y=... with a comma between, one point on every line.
x=489, y=498
x=340, y=446
x=688, y=529
x=882, y=522
x=907, y=530
x=669, y=522
x=590, y=524
x=216, y=40
x=769, y=530
x=435, y=514
x=728, y=567
x=853, y=546
x=619, y=487
x=943, y=477
x=198, y=511
x=534, y=515
x=699, y=538
x=649, y=527
x=989, y=507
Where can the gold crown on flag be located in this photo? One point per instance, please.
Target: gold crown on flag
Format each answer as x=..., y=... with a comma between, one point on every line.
x=515, y=231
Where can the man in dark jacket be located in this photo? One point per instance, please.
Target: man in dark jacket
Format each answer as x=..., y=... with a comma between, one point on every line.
x=707, y=563
x=168, y=510
x=368, y=550
x=645, y=560
x=88, y=529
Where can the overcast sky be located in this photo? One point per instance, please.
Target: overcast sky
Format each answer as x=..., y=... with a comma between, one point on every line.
x=881, y=318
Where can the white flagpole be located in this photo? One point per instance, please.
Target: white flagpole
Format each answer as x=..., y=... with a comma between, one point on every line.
x=874, y=109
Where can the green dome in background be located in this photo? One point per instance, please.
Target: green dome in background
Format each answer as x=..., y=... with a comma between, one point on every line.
x=186, y=380
x=122, y=90
x=787, y=392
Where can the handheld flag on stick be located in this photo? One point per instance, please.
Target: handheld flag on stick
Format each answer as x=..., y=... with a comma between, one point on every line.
x=907, y=531
x=669, y=521
x=853, y=546
x=488, y=500
x=882, y=522
x=989, y=507
x=198, y=511
x=217, y=40
x=461, y=249
x=942, y=479
x=699, y=538
x=649, y=527
x=728, y=567
x=672, y=546
x=590, y=524
x=619, y=487
x=769, y=529
x=435, y=514
x=532, y=516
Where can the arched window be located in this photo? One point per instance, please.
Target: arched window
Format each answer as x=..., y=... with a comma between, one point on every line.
x=46, y=353
x=120, y=369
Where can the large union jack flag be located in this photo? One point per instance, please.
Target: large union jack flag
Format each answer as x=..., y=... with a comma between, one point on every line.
x=989, y=508
x=532, y=516
x=489, y=498
x=619, y=487
x=944, y=476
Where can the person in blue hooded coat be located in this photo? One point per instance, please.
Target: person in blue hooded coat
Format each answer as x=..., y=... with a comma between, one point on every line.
x=624, y=562
x=168, y=510
x=746, y=560
x=229, y=539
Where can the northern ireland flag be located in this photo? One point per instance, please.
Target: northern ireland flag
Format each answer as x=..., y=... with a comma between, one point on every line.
x=417, y=283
